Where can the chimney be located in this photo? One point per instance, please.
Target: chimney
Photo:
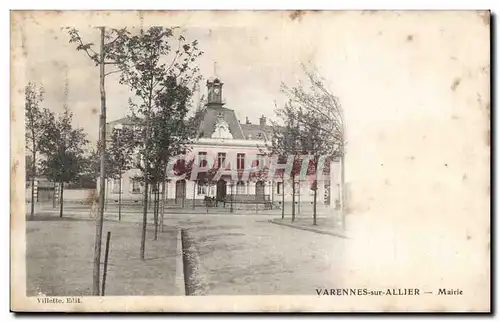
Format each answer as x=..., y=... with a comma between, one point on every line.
x=247, y=121
x=262, y=120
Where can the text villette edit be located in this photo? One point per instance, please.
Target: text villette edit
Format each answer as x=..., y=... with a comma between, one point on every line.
x=58, y=300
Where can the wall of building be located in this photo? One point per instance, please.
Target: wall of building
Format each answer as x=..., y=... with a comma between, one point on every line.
x=70, y=195
x=134, y=192
x=303, y=191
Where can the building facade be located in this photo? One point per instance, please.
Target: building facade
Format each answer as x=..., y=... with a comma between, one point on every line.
x=224, y=140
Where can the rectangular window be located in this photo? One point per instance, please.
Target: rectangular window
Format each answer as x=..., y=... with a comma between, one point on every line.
x=279, y=188
x=240, y=161
x=202, y=157
x=202, y=189
x=136, y=186
x=116, y=186
x=221, y=157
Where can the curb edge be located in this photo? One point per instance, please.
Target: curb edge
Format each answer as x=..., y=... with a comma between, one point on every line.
x=272, y=221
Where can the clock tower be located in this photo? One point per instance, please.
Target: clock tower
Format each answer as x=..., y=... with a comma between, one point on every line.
x=214, y=87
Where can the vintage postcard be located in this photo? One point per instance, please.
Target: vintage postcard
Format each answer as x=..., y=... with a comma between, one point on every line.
x=250, y=161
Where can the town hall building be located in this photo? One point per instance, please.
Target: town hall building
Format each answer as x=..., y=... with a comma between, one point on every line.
x=223, y=138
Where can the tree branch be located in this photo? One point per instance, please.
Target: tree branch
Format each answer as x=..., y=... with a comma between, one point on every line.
x=86, y=49
x=112, y=72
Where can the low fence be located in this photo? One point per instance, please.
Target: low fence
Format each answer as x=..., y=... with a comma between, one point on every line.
x=248, y=198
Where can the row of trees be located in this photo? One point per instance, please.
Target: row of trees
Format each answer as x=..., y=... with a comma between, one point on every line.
x=58, y=150
x=311, y=124
x=304, y=133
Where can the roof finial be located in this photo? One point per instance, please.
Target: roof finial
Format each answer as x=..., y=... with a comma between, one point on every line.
x=215, y=69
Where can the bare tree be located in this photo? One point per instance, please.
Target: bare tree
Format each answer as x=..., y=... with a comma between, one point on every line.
x=284, y=142
x=318, y=149
x=321, y=122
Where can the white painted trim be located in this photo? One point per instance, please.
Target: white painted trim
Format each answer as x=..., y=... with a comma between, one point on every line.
x=230, y=142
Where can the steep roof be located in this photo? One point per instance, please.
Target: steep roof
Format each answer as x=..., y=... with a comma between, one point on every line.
x=256, y=131
x=210, y=116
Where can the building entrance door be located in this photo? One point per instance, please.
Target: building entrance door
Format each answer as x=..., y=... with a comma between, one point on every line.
x=221, y=190
x=259, y=190
x=180, y=192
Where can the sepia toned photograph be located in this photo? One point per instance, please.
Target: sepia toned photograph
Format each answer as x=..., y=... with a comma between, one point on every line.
x=246, y=161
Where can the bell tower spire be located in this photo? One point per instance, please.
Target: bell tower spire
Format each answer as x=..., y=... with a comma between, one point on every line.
x=214, y=88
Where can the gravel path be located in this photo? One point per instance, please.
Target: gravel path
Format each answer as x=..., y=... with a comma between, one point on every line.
x=247, y=255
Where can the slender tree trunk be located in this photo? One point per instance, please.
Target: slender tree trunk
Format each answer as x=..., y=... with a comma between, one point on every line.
x=33, y=175
x=298, y=203
x=194, y=192
x=293, y=198
x=314, y=200
x=146, y=172
x=163, y=201
x=272, y=194
x=54, y=196
x=150, y=198
x=61, y=201
x=153, y=186
x=102, y=187
x=283, y=199
x=144, y=219
x=106, y=198
x=156, y=205
x=120, y=198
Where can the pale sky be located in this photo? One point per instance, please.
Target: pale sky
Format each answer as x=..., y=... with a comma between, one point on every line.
x=252, y=64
